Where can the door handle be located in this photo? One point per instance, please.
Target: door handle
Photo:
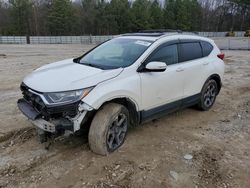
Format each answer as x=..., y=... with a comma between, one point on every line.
x=205, y=63
x=180, y=69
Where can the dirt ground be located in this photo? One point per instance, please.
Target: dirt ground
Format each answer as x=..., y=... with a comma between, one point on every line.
x=153, y=154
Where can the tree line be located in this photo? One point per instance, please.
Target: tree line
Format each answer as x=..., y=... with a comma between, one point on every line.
x=103, y=17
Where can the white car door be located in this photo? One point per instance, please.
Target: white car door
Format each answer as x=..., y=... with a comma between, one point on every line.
x=162, y=91
x=196, y=68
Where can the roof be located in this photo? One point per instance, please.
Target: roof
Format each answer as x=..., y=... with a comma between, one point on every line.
x=150, y=36
x=153, y=35
x=153, y=32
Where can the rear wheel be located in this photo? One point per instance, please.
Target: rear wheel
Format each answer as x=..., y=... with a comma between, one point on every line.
x=208, y=95
x=108, y=128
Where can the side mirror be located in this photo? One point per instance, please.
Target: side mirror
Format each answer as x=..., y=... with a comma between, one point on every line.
x=156, y=66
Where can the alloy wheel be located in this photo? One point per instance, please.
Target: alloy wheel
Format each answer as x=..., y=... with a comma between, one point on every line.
x=209, y=95
x=117, y=132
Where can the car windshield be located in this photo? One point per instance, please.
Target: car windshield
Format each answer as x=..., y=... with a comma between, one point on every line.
x=119, y=52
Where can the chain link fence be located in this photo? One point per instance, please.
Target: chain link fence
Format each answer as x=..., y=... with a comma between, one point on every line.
x=224, y=43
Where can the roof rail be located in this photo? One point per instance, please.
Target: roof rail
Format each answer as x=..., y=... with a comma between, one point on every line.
x=155, y=34
x=159, y=31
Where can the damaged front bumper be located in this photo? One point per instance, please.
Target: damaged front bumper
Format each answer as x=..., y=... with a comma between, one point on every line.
x=54, y=122
x=44, y=125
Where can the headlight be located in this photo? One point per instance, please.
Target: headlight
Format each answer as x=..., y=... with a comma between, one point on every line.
x=67, y=96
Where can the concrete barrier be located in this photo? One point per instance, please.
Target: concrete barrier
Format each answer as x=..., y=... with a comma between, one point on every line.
x=233, y=43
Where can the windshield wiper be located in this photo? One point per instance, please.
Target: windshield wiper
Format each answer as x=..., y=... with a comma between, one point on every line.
x=103, y=67
x=91, y=65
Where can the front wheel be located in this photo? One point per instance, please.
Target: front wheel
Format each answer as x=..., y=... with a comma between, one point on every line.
x=108, y=128
x=208, y=95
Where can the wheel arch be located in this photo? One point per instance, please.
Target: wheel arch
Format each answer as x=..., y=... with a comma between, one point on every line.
x=217, y=78
x=130, y=105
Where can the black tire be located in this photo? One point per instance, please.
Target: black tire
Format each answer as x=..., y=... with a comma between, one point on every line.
x=208, y=95
x=108, y=129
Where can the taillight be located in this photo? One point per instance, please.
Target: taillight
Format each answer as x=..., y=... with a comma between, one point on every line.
x=221, y=56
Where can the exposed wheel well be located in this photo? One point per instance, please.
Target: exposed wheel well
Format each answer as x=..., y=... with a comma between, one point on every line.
x=134, y=115
x=217, y=78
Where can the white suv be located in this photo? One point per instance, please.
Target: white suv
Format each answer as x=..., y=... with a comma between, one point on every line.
x=124, y=81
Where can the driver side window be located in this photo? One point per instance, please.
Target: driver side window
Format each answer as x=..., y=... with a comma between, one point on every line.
x=167, y=54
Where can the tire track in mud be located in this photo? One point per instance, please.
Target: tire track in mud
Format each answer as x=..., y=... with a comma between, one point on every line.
x=17, y=135
x=17, y=166
x=27, y=167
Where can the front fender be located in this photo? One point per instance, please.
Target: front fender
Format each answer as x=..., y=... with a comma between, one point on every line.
x=121, y=87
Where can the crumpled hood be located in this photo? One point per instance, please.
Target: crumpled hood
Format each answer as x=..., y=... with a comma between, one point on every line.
x=66, y=75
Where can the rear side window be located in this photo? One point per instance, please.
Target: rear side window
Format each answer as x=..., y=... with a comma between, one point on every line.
x=206, y=48
x=167, y=54
x=190, y=51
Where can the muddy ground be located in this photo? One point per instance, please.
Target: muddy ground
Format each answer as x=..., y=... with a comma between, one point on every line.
x=153, y=154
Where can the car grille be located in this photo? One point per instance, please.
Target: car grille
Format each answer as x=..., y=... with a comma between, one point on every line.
x=33, y=99
x=48, y=111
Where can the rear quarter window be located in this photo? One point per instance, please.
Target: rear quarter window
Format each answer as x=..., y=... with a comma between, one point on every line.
x=206, y=48
x=190, y=51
